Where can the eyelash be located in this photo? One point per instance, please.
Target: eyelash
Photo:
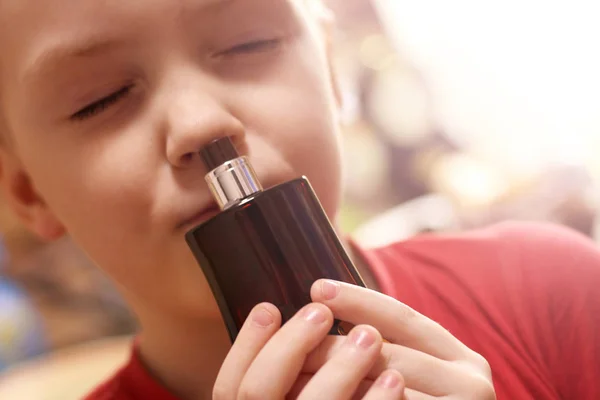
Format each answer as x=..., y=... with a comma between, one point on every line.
x=102, y=104
x=252, y=47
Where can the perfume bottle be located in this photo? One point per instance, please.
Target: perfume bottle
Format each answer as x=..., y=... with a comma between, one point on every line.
x=265, y=245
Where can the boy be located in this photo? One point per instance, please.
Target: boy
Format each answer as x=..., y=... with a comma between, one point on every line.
x=104, y=108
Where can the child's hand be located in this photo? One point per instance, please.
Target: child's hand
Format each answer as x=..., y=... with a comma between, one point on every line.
x=432, y=362
x=265, y=362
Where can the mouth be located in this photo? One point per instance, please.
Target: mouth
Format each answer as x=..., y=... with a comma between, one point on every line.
x=200, y=217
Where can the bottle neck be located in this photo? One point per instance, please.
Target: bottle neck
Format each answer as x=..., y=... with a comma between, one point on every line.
x=232, y=182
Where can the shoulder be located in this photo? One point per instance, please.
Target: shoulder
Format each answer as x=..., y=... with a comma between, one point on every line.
x=529, y=265
x=550, y=252
x=133, y=381
x=111, y=389
x=531, y=288
x=548, y=239
x=548, y=255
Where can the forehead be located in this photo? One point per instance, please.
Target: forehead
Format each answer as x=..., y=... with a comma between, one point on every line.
x=32, y=29
x=30, y=20
x=28, y=13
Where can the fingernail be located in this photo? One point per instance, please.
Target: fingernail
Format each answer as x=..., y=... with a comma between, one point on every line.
x=262, y=317
x=314, y=314
x=330, y=289
x=388, y=380
x=363, y=338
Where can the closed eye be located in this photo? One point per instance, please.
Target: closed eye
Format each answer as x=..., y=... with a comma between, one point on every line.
x=101, y=105
x=253, y=47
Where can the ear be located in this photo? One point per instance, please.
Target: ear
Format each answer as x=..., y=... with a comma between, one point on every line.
x=22, y=197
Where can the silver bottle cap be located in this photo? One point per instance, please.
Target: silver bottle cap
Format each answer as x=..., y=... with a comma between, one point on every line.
x=231, y=178
x=232, y=182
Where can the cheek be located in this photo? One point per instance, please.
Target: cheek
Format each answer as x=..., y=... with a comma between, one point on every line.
x=107, y=201
x=315, y=153
x=297, y=114
x=316, y=147
x=303, y=140
x=313, y=144
x=102, y=194
x=113, y=182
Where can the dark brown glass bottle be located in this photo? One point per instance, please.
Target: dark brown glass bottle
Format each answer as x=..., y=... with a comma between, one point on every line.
x=266, y=245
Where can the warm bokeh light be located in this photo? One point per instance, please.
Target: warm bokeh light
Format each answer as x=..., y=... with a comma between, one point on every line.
x=515, y=80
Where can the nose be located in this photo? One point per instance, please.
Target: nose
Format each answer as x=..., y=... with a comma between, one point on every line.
x=195, y=120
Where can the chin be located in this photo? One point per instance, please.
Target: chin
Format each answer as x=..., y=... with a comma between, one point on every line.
x=195, y=299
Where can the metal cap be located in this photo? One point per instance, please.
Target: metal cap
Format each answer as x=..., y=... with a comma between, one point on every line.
x=218, y=152
x=231, y=178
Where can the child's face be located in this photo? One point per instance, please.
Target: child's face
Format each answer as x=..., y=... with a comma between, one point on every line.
x=106, y=103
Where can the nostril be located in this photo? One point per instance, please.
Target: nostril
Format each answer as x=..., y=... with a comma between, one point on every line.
x=187, y=157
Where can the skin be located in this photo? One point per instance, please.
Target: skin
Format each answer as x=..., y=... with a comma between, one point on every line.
x=103, y=108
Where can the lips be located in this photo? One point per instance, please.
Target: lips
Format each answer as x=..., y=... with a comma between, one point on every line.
x=202, y=216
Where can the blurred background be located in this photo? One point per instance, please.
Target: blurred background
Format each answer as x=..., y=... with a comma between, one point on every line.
x=456, y=114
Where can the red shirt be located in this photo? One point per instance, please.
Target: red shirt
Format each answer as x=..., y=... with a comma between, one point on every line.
x=526, y=297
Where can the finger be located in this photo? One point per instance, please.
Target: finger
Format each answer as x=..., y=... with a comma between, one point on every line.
x=276, y=367
x=410, y=394
x=363, y=389
x=259, y=327
x=406, y=393
x=342, y=374
x=299, y=386
x=397, y=322
x=303, y=380
x=389, y=386
x=417, y=368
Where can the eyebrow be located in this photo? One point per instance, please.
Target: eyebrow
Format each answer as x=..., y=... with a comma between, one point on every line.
x=50, y=58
